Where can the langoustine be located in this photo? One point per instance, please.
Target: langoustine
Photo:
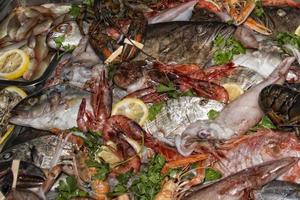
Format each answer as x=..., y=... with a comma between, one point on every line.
x=245, y=112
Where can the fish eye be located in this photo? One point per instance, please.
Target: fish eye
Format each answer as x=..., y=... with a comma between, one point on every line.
x=64, y=28
x=203, y=134
x=7, y=155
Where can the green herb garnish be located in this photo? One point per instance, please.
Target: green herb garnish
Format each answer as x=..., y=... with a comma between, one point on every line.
x=74, y=11
x=226, y=49
x=172, y=92
x=212, y=114
x=148, y=184
x=121, y=188
x=211, y=175
x=264, y=123
x=68, y=189
x=154, y=110
x=89, y=3
x=288, y=38
x=102, y=169
x=59, y=41
x=259, y=11
x=112, y=68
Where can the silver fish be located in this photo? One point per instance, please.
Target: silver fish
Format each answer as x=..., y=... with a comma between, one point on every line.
x=262, y=62
x=54, y=107
x=39, y=150
x=69, y=31
x=278, y=190
x=177, y=114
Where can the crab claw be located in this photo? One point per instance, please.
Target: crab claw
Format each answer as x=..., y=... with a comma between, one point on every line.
x=256, y=26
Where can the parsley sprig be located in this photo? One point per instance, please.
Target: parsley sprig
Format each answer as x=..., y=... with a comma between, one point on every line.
x=172, y=91
x=226, y=49
x=68, y=189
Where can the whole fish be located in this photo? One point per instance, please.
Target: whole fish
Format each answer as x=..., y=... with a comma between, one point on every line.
x=70, y=33
x=52, y=108
x=79, y=68
x=183, y=42
x=281, y=19
x=278, y=190
x=254, y=149
x=235, y=119
x=177, y=114
x=39, y=149
x=238, y=185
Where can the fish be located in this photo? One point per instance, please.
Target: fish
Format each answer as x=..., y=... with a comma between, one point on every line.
x=236, y=118
x=79, y=68
x=28, y=176
x=55, y=107
x=70, y=33
x=8, y=100
x=278, y=190
x=244, y=77
x=177, y=114
x=281, y=19
x=35, y=146
x=238, y=185
x=253, y=149
x=183, y=42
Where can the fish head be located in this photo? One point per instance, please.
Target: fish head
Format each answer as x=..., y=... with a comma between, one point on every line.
x=29, y=176
x=64, y=36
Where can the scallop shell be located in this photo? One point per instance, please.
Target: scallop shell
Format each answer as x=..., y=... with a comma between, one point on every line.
x=244, y=77
x=178, y=114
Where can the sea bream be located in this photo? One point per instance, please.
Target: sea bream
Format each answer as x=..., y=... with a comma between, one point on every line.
x=55, y=107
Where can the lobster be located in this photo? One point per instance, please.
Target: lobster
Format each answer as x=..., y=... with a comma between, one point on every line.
x=282, y=105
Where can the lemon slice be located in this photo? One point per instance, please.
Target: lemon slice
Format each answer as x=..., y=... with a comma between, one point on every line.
x=297, y=32
x=234, y=90
x=13, y=64
x=10, y=127
x=132, y=108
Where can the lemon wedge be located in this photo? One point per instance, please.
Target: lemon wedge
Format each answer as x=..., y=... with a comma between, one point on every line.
x=297, y=32
x=13, y=64
x=11, y=127
x=234, y=90
x=132, y=108
x=17, y=90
